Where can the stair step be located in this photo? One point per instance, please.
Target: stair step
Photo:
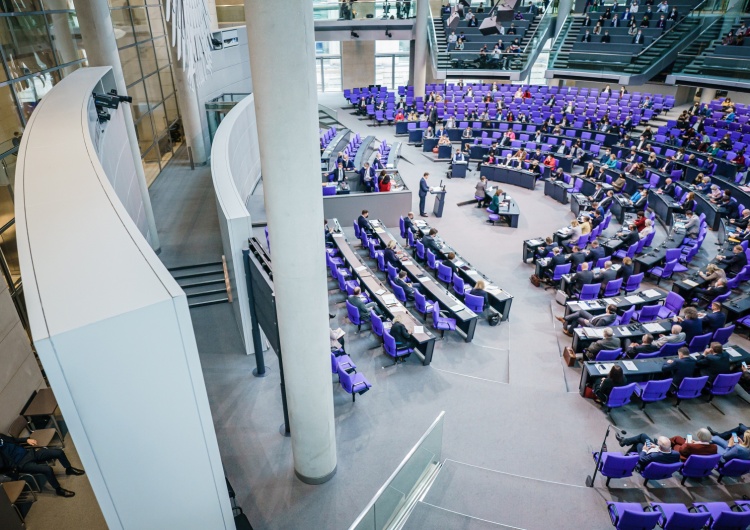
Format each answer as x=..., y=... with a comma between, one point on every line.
x=202, y=284
x=198, y=274
x=204, y=303
x=206, y=293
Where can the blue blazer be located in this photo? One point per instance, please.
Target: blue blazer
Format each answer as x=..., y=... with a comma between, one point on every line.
x=423, y=187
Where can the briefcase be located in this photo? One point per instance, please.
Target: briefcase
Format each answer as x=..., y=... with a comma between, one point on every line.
x=561, y=297
x=569, y=356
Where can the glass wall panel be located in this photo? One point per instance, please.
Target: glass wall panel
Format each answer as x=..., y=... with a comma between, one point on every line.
x=123, y=27
x=151, y=164
x=10, y=119
x=9, y=252
x=26, y=47
x=332, y=75
x=167, y=83
x=66, y=40
x=131, y=67
x=162, y=52
x=148, y=58
x=20, y=6
x=384, y=70
x=140, y=23
x=160, y=120
x=392, y=62
x=170, y=105
x=155, y=19
x=145, y=132
x=140, y=104
x=31, y=90
x=55, y=5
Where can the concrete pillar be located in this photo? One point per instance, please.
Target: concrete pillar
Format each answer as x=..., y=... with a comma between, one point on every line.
x=211, y=7
x=707, y=95
x=99, y=41
x=564, y=8
x=358, y=62
x=190, y=108
x=421, y=49
x=282, y=59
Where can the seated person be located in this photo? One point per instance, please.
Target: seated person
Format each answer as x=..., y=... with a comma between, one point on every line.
x=626, y=270
x=576, y=258
x=495, y=202
x=608, y=342
x=392, y=255
x=676, y=335
x=481, y=191
x=645, y=346
x=364, y=223
x=431, y=242
x=707, y=295
x=444, y=140
x=584, y=318
x=648, y=451
x=690, y=322
x=24, y=455
x=558, y=258
x=604, y=385
x=713, y=319
x=648, y=229
x=400, y=333
x=733, y=264
x=358, y=301
x=402, y=280
x=731, y=449
x=606, y=275
x=680, y=368
x=714, y=361
x=385, y=181
x=692, y=226
x=338, y=174
x=667, y=189
x=478, y=290
x=700, y=445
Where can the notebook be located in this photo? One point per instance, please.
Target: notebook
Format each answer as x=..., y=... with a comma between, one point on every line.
x=651, y=327
x=634, y=299
x=651, y=293
x=630, y=365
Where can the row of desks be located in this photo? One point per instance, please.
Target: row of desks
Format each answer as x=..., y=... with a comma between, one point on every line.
x=466, y=319
x=377, y=291
x=643, y=369
x=509, y=175
x=499, y=299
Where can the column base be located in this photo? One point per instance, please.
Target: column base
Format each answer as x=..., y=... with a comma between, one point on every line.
x=315, y=481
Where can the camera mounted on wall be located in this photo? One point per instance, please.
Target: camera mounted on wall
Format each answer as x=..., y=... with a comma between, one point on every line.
x=110, y=100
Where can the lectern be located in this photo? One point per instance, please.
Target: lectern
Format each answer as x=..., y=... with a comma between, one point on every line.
x=439, y=194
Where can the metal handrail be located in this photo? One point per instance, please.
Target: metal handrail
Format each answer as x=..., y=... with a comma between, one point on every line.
x=536, y=29
x=561, y=39
x=711, y=25
x=692, y=11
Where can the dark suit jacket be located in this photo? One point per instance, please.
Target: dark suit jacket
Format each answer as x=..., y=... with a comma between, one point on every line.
x=625, y=272
x=596, y=253
x=557, y=260
x=692, y=327
x=643, y=348
x=605, y=277
x=657, y=456
x=638, y=39
x=364, y=224
x=576, y=258
x=713, y=321
x=430, y=243
x=606, y=38
x=669, y=190
x=399, y=332
x=631, y=238
x=391, y=257
x=362, y=174
x=359, y=303
x=713, y=365
x=482, y=293
x=337, y=175
x=679, y=369
x=582, y=278
x=408, y=289
x=424, y=188
x=735, y=263
x=586, y=38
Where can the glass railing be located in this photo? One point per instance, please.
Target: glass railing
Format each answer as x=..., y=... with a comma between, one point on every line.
x=218, y=107
x=729, y=68
x=560, y=40
x=419, y=464
x=539, y=37
x=359, y=10
x=615, y=62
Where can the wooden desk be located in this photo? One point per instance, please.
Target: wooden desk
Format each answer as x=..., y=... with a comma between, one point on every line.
x=372, y=285
x=44, y=405
x=466, y=319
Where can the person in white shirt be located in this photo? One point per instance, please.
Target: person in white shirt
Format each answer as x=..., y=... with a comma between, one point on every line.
x=452, y=38
x=648, y=229
x=663, y=7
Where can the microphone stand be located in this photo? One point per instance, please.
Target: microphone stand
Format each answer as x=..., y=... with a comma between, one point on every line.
x=590, y=479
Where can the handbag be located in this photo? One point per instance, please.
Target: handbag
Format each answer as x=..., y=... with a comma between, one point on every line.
x=569, y=356
x=535, y=280
x=434, y=149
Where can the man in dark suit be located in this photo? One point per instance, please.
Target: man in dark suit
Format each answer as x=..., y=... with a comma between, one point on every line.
x=558, y=258
x=638, y=38
x=364, y=223
x=609, y=342
x=409, y=222
x=646, y=346
x=580, y=278
x=606, y=38
x=640, y=204
x=424, y=188
x=596, y=252
x=690, y=323
x=584, y=318
x=430, y=241
x=367, y=177
x=735, y=263
x=606, y=275
x=615, y=21
x=707, y=295
x=402, y=281
x=667, y=189
x=586, y=36
x=713, y=319
x=338, y=174
x=630, y=237
x=364, y=308
x=648, y=451
x=576, y=258
x=598, y=194
x=662, y=23
x=714, y=361
x=680, y=368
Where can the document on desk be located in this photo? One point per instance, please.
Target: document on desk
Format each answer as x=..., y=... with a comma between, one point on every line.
x=456, y=308
x=408, y=262
x=458, y=263
x=390, y=299
x=594, y=333
x=695, y=355
x=397, y=309
x=604, y=368
x=379, y=231
x=634, y=299
x=472, y=272
x=584, y=305
x=651, y=293
x=338, y=235
x=732, y=352
x=418, y=329
x=653, y=327
x=630, y=365
x=691, y=283
x=535, y=241
x=435, y=189
x=424, y=279
x=380, y=292
x=360, y=268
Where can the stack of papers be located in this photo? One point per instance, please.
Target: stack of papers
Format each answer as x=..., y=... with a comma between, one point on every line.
x=651, y=293
x=360, y=268
x=458, y=263
x=390, y=299
x=691, y=283
x=535, y=241
x=653, y=327
x=594, y=333
x=380, y=292
x=424, y=279
x=418, y=329
x=634, y=299
x=456, y=308
x=630, y=365
x=408, y=262
x=732, y=352
x=604, y=368
x=379, y=231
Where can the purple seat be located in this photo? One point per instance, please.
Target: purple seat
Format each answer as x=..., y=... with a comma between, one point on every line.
x=354, y=316
x=648, y=313
x=613, y=288
x=342, y=362
x=389, y=345
x=690, y=388
x=619, y=397
x=381, y=262
x=432, y=262
x=734, y=468
x=652, y=391
x=609, y=355
x=722, y=516
x=672, y=305
x=354, y=383
x=698, y=466
x=345, y=285
x=420, y=251
x=399, y=292
x=560, y=271
x=440, y=322
x=678, y=517
x=475, y=303
x=459, y=286
x=615, y=465
x=724, y=384
x=630, y=516
x=626, y=317
x=630, y=252
x=421, y=303
x=377, y=323
x=663, y=272
x=722, y=334
x=657, y=471
x=633, y=283
x=590, y=291
x=670, y=349
x=699, y=343
x=444, y=273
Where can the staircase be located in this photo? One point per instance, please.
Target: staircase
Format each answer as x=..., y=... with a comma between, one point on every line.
x=443, y=58
x=204, y=283
x=692, y=59
x=564, y=43
x=662, y=46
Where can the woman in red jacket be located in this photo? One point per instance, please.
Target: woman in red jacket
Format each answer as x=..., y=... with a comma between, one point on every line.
x=385, y=182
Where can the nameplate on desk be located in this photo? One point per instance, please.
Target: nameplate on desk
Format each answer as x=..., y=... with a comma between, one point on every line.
x=652, y=327
x=732, y=352
x=630, y=365
x=634, y=299
x=691, y=283
x=651, y=293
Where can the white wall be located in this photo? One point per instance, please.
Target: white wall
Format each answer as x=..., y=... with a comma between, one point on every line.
x=235, y=167
x=230, y=73
x=113, y=330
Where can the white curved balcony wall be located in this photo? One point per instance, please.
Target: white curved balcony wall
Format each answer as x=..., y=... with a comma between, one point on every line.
x=111, y=326
x=235, y=167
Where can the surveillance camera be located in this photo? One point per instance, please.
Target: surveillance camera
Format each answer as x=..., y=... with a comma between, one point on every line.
x=106, y=100
x=355, y=34
x=102, y=115
x=123, y=99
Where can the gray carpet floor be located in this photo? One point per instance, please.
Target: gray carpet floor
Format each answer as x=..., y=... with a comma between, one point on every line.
x=513, y=414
